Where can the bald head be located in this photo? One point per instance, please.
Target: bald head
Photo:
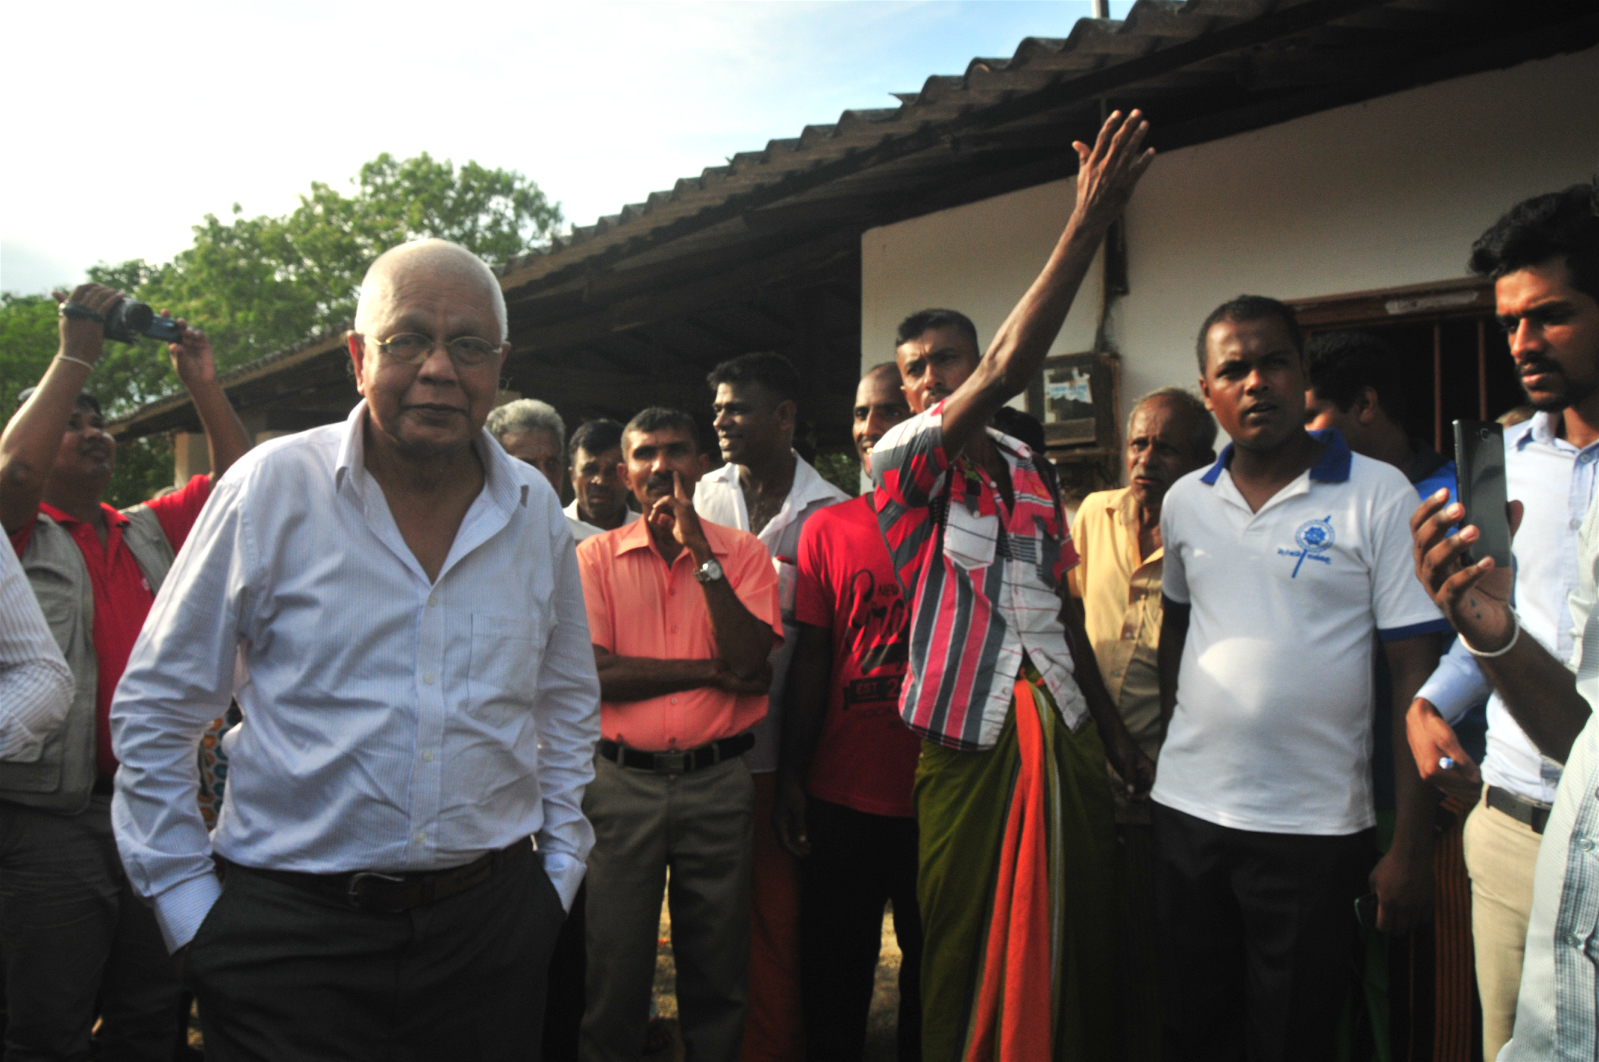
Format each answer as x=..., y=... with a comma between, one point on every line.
x=416, y=264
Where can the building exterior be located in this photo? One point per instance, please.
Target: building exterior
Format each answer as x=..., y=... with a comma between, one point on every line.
x=1339, y=153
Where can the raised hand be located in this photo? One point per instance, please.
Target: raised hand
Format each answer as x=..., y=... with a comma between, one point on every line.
x=191, y=355
x=84, y=337
x=1108, y=171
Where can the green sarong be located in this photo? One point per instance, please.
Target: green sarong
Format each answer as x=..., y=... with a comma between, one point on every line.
x=963, y=802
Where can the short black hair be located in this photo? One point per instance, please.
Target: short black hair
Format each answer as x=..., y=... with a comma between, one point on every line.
x=765, y=367
x=1340, y=365
x=1249, y=308
x=85, y=399
x=595, y=436
x=1553, y=225
x=923, y=320
x=659, y=418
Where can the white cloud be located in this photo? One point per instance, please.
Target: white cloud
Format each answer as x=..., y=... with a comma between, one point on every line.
x=141, y=119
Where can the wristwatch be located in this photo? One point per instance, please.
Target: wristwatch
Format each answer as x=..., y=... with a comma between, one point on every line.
x=709, y=572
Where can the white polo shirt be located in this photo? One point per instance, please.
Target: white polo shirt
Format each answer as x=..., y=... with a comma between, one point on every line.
x=1273, y=726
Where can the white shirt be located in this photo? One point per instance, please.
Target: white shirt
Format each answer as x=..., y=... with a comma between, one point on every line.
x=1555, y=481
x=35, y=683
x=719, y=499
x=1273, y=726
x=390, y=723
x=582, y=529
x=1557, y=1011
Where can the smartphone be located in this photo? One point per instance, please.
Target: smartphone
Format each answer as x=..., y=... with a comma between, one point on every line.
x=1480, y=481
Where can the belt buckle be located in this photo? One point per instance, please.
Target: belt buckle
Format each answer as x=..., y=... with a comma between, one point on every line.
x=671, y=762
x=353, y=893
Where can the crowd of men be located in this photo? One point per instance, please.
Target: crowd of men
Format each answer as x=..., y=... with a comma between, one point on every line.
x=1118, y=774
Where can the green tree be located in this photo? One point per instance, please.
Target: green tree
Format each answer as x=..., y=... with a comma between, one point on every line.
x=261, y=284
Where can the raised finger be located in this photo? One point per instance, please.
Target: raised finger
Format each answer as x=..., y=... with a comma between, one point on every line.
x=1130, y=130
x=1428, y=508
x=1107, y=133
x=1455, y=587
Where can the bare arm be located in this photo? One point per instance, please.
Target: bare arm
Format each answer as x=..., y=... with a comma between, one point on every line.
x=638, y=678
x=226, y=438
x=1106, y=176
x=1539, y=691
x=1169, y=656
x=1136, y=769
x=1403, y=879
x=804, y=706
x=33, y=437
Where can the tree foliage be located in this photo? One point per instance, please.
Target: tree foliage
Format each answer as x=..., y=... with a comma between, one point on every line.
x=261, y=284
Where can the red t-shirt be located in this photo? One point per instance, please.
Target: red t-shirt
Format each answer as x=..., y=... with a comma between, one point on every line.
x=122, y=598
x=865, y=758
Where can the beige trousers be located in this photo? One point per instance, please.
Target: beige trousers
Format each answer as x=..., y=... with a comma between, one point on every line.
x=1501, y=854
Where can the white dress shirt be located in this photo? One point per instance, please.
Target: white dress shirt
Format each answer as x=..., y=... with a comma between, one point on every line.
x=1557, y=1009
x=391, y=723
x=1555, y=482
x=582, y=529
x=719, y=499
x=35, y=683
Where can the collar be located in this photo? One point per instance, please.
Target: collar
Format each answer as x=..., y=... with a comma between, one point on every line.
x=503, y=481
x=1333, y=467
x=636, y=535
x=113, y=518
x=807, y=489
x=1541, y=427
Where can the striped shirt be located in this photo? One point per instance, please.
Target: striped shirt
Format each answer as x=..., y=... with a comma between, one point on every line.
x=35, y=685
x=983, y=581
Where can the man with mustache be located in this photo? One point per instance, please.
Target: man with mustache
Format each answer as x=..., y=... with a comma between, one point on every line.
x=1541, y=256
x=1011, y=799
x=683, y=616
x=769, y=490
x=844, y=779
x=395, y=602
x=76, y=940
x=1117, y=535
x=1282, y=560
x=599, y=496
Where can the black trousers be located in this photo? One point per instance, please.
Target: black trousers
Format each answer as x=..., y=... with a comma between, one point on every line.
x=858, y=862
x=1256, y=933
x=282, y=971
x=78, y=944
x=564, y=997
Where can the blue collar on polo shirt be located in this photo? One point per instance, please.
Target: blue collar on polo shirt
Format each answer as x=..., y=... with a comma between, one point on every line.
x=1332, y=468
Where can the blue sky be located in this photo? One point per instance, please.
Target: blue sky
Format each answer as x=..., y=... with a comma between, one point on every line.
x=140, y=119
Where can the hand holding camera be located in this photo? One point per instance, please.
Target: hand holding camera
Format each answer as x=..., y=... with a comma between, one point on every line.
x=118, y=318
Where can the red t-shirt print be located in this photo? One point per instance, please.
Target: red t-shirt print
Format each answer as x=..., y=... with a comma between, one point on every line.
x=122, y=597
x=865, y=757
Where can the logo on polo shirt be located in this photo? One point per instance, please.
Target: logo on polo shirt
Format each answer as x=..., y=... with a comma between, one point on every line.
x=1315, y=538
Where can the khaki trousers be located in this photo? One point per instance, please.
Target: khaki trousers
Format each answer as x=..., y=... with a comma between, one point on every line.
x=1501, y=854
x=700, y=825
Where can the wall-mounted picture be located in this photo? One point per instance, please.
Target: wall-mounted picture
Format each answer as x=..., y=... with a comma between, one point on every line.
x=1075, y=396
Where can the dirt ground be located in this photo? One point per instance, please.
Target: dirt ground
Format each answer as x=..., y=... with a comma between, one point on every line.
x=885, y=999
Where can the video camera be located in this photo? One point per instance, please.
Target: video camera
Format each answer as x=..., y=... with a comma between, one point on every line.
x=128, y=319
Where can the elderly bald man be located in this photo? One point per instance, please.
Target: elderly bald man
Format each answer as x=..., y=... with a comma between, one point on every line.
x=419, y=700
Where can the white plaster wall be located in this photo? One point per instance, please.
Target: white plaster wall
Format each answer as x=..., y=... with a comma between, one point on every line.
x=1382, y=193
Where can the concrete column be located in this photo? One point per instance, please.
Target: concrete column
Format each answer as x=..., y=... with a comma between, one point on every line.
x=189, y=456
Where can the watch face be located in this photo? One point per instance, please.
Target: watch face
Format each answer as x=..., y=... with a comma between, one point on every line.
x=710, y=571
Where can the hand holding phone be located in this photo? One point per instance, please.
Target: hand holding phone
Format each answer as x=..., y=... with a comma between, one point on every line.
x=1480, y=477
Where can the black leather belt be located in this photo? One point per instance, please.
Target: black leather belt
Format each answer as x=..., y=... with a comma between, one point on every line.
x=678, y=761
x=1519, y=808
x=386, y=893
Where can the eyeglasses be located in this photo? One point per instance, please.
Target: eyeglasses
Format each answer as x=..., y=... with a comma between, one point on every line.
x=412, y=348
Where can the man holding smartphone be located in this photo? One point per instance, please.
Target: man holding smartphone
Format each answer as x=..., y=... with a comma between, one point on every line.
x=1541, y=255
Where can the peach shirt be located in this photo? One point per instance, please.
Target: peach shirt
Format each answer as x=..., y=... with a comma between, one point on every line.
x=637, y=606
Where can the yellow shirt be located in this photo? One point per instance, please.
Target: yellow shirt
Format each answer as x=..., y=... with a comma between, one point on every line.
x=1120, y=591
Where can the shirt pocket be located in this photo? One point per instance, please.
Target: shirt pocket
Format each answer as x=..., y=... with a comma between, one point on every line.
x=970, y=538
x=502, y=675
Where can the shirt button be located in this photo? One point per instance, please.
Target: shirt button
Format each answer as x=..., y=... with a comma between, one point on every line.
x=420, y=838
x=1576, y=524
x=1585, y=458
x=1585, y=844
x=433, y=601
x=427, y=755
x=1575, y=941
x=674, y=628
x=671, y=591
x=427, y=679
x=674, y=700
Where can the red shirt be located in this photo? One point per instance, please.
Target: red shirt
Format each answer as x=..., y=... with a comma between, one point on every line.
x=866, y=756
x=122, y=598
